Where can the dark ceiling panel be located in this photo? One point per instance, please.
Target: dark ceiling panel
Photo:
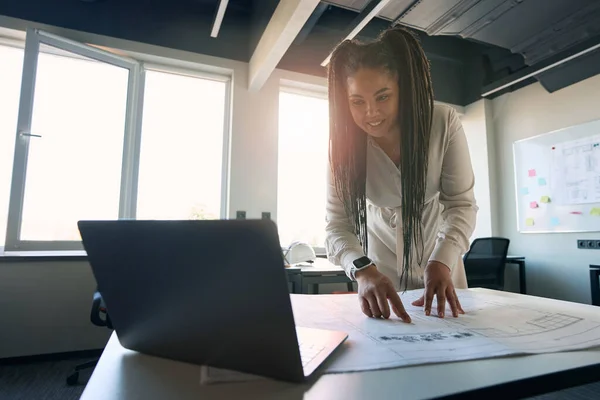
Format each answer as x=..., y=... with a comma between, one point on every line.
x=391, y=12
x=535, y=30
x=571, y=30
x=178, y=24
x=311, y=22
x=424, y=14
x=396, y=8
x=355, y=5
x=514, y=22
x=458, y=20
x=260, y=16
x=571, y=72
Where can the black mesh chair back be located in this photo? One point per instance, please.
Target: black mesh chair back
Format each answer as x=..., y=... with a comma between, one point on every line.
x=485, y=262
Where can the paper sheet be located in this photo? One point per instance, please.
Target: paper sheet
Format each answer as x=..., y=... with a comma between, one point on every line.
x=493, y=326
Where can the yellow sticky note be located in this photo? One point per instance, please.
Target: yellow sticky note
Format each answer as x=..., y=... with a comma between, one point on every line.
x=529, y=222
x=595, y=212
x=545, y=199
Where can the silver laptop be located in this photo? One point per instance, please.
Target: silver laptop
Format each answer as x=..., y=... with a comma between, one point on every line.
x=210, y=293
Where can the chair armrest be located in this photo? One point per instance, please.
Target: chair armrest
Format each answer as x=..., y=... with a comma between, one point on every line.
x=98, y=308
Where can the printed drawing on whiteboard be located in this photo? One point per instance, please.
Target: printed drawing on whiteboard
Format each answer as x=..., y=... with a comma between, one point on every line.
x=576, y=171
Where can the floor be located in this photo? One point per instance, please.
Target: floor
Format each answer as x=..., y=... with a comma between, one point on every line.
x=45, y=380
x=41, y=380
x=585, y=392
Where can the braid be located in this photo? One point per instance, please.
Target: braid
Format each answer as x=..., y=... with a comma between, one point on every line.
x=398, y=51
x=347, y=144
x=415, y=117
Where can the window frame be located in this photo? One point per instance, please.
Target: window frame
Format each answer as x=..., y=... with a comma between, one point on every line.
x=132, y=132
x=309, y=90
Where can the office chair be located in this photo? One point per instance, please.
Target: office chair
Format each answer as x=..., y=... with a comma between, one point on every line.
x=595, y=284
x=485, y=262
x=98, y=308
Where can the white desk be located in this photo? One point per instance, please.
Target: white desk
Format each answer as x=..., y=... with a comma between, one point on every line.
x=123, y=374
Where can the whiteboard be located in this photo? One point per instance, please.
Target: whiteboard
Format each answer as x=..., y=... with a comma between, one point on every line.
x=557, y=178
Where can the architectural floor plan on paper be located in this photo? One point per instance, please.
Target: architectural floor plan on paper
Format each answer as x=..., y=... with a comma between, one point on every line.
x=493, y=326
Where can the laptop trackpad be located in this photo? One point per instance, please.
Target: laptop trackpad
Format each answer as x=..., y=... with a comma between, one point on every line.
x=316, y=345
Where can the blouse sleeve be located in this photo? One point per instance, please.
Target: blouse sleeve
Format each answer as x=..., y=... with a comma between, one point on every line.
x=341, y=243
x=456, y=196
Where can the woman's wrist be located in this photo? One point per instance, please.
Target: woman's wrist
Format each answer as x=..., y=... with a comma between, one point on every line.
x=365, y=273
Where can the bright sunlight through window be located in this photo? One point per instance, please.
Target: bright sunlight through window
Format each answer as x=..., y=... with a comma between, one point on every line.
x=303, y=149
x=182, y=148
x=74, y=166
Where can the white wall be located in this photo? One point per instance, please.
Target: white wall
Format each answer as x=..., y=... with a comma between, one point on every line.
x=555, y=267
x=492, y=169
x=474, y=125
x=45, y=308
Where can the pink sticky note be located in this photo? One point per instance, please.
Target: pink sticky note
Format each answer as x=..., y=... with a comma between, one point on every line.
x=533, y=204
x=532, y=172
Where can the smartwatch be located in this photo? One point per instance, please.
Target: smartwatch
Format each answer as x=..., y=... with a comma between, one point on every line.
x=360, y=264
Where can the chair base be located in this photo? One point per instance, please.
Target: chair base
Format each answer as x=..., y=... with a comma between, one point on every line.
x=73, y=378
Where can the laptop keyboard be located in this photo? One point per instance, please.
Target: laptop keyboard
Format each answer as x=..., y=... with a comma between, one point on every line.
x=308, y=351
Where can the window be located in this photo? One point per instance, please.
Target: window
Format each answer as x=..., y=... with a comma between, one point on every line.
x=74, y=168
x=107, y=137
x=10, y=83
x=182, y=146
x=303, y=159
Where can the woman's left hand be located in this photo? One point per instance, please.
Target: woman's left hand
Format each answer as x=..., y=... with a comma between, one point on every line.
x=438, y=282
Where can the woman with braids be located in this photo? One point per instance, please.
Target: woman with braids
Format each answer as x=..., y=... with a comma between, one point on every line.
x=400, y=207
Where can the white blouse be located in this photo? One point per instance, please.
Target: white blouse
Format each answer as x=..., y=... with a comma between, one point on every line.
x=448, y=219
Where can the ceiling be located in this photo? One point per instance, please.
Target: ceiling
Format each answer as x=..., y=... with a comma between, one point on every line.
x=475, y=46
x=540, y=32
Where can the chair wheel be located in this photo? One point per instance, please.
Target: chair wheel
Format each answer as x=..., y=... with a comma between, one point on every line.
x=73, y=379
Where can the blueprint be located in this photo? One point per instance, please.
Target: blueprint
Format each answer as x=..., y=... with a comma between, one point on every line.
x=493, y=326
x=576, y=171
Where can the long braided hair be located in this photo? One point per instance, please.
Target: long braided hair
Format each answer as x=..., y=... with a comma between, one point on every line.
x=398, y=52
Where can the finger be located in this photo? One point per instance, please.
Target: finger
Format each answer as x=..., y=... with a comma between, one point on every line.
x=420, y=302
x=384, y=307
x=398, y=307
x=441, y=302
x=452, y=303
x=374, y=307
x=460, y=309
x=428, y=300
x=364, y=305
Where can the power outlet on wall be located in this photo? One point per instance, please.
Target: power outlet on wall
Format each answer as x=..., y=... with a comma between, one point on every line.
x=588, y=244
x=266, y=215
x=240, y=215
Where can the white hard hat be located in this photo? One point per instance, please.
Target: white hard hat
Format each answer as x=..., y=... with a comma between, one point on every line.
x=299, y=252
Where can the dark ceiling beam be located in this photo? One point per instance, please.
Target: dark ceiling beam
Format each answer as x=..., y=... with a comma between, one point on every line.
x=219, y=15
x=579, y=50
x=310, y=24
x=370, y=11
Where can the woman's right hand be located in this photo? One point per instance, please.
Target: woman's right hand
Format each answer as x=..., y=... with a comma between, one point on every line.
x=374, y=291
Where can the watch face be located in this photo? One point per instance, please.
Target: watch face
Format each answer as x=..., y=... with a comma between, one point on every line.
x=362, y=262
